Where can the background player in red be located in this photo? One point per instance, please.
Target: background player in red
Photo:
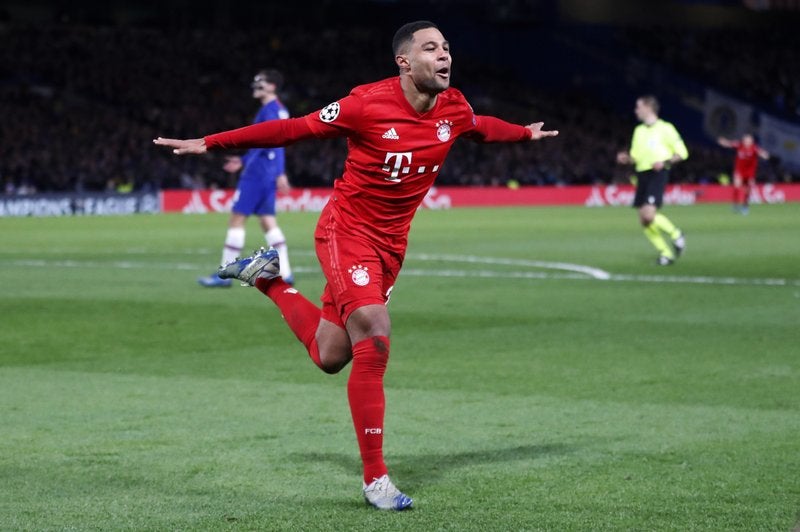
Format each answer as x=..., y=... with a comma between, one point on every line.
x=744, y=169
x=399, y=132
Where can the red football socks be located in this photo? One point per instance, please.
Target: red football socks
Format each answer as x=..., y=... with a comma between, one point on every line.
x=367, y=402
x=365, y=385
x=300, y=314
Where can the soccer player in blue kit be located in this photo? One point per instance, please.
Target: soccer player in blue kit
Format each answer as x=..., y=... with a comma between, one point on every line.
x=263, y=174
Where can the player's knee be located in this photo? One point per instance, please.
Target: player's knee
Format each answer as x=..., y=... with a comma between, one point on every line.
x=369, y=321
x=334, y=363
x=646, y=216
x=335, y=351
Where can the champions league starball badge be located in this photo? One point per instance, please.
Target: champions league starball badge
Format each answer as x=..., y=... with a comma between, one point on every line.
x=330, y=112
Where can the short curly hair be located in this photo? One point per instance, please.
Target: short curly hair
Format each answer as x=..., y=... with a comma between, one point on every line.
x=405, y=34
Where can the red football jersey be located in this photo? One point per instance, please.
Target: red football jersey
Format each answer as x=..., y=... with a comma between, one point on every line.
x=746, y=159
x=394, y=152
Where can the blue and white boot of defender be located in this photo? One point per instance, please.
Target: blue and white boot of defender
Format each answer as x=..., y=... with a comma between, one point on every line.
x=262, y=264
x=383, y=495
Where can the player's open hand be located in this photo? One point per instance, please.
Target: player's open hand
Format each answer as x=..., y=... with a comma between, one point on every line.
x=537, y=133
x=183, y=147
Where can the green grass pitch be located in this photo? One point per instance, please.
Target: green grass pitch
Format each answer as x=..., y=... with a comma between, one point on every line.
x=544, y=375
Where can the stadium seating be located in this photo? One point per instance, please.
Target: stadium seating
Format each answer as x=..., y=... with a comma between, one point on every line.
x=81, y=102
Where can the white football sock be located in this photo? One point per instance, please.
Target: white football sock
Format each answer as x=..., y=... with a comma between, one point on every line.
x=234, y=244
x=275, y=238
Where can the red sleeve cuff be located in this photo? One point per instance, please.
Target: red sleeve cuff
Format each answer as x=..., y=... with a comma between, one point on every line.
x=492, y=129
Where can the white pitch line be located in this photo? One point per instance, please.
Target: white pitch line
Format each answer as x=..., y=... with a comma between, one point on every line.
x=119, y=264
x=704, y=280
x=473, y=259
x=568, y=271
x=730, y=281
x=595, y=273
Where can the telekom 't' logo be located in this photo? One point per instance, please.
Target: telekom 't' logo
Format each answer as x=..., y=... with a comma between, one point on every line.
x=395, y=169
x=393, y=164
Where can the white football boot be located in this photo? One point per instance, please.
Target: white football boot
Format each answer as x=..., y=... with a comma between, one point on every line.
x=383, y=495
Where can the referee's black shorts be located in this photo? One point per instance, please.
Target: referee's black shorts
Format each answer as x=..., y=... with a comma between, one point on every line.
x=650, y=186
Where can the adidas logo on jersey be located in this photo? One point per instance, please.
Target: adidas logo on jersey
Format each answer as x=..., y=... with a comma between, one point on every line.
x=391, y=134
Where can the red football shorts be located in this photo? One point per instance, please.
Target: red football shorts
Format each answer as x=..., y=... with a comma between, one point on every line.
x=747, y=173
x=358, y=272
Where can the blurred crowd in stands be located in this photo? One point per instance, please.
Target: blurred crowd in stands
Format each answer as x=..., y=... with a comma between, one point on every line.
x=760, y=65
x=80, y=105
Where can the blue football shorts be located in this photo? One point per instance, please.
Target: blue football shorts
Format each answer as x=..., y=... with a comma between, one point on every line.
x=254, y=197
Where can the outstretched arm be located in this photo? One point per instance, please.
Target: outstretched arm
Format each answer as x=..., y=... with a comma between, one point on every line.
x=268, y=134
x=492, y=129
x=725, y=143
x=764, y=154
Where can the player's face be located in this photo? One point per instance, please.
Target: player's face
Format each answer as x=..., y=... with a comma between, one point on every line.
x=429, y=60
x=747, y=140
x=642, y=110
x=260, y=89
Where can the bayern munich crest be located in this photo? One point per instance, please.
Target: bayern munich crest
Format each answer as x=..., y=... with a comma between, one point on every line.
x=330, y=112
x=359, y=275
x=443, y=130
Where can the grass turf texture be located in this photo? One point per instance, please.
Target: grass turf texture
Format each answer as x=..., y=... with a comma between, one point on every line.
x=520, y=397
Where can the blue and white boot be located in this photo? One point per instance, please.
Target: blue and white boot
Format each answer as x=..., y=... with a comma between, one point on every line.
x=262, y=264
x=383, y=495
